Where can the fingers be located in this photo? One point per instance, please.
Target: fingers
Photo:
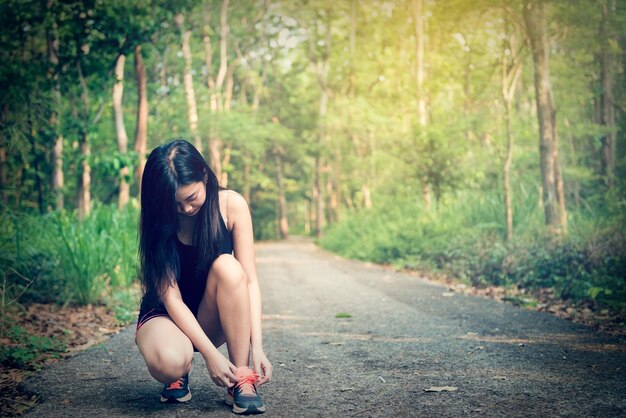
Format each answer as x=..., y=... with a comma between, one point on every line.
x=228, y=377
x=267, y=374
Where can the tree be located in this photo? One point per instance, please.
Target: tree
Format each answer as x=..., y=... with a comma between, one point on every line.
x=552, y=181
x=120, y=129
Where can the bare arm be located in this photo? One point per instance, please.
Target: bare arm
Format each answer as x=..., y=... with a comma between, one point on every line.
x=243, y=243
x=220, y=369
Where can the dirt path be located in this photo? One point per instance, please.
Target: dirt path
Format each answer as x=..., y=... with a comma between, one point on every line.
x=404, y=335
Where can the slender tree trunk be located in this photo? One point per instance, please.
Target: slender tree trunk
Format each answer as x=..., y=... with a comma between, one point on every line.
x=510, y=76
x=553, y=201
x=84, y=189
x=318, y=210
x=417, y=9
x=141, y=130
x=322, y=69
x=120, y=129
x=245, y=188
x=84, y=183
x=506, y=173
x=574, y=158
x=55, y=117
x=283, y=226
x=607, y=110
x=58, y=177
x=418, y=23
x=192, y=112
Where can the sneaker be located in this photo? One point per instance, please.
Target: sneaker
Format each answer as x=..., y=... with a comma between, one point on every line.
x=243, y=397
x=177, y=391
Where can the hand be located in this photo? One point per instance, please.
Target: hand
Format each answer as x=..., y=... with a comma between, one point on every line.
x=262, y=366
x=222, y=372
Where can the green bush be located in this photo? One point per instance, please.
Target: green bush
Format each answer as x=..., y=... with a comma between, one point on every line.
x=463, y=238
x=62, y=259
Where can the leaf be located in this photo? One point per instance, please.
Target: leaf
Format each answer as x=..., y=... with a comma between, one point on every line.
x=441, y=389
x=343, y=315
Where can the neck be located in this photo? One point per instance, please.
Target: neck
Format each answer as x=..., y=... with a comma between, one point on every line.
x=186, y=224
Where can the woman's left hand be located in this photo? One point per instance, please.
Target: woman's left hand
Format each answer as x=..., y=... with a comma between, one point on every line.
x=262, y=366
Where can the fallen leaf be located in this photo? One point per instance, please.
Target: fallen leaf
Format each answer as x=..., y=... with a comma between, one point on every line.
x=441, y=389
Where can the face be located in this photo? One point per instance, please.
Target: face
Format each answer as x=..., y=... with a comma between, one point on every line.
x=190, y=197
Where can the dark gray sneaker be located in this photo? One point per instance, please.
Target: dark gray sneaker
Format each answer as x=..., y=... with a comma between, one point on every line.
x=177, y=391
x=243, y=397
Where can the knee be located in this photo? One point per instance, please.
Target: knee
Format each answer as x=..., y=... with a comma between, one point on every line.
x=168, y=364
x=228, y=272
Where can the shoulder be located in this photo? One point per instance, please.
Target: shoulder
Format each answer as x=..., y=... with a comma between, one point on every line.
x=233, y=204
x=232, y=198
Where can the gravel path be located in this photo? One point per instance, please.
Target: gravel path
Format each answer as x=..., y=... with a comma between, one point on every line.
x=404, y=335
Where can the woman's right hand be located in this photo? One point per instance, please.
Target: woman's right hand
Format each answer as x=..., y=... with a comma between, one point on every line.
x=222, y=372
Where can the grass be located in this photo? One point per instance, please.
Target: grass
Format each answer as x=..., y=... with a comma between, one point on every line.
x=66, y=260
x=463, y=238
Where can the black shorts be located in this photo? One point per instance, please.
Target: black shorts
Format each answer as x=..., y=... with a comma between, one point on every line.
x=145, y=316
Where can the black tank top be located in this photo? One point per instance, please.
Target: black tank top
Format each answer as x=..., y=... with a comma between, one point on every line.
x=190, y=282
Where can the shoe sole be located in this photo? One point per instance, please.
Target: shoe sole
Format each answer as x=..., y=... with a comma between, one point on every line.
x=249, y=410
x=244, y=411
x=172, y=399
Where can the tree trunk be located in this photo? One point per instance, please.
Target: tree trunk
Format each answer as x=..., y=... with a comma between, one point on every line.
x=553, y=203
x=417, y=9
x=84, y=183
x=418, y=23
x=506, y=173
x=120, y=129
x=510, y=76
x=217, y=97
x=322, y=68
x=607, y=110
x=57, y=177
x=55, y=122
x=141, y=130
x=225, y=162
x=245, y=188
x=318, y=207
x=283, y=226
x=192, y=112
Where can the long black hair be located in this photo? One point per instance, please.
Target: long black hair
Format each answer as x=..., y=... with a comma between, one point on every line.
x=169, y=167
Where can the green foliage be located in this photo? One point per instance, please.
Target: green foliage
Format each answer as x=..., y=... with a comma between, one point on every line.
x=465, y=242
x=24, y=351
x=63, y=259
x=94, y=253
x=124, y=302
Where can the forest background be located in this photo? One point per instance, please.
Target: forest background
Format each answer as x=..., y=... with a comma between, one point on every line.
x=481, y=140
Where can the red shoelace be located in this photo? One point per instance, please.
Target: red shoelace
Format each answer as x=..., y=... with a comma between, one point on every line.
x=176, y=385
x=246, y=383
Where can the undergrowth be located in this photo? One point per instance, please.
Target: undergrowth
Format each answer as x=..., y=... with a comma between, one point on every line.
x=464, y=238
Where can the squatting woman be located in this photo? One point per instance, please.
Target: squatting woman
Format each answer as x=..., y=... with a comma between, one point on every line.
x=197, y=266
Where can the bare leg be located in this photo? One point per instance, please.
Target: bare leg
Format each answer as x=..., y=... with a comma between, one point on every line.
x=224, y=312
x=165, y=348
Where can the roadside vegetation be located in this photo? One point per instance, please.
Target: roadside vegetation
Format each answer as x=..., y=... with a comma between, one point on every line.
x=463, y=240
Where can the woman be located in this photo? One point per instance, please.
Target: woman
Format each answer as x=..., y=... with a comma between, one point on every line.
x=198, y=271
